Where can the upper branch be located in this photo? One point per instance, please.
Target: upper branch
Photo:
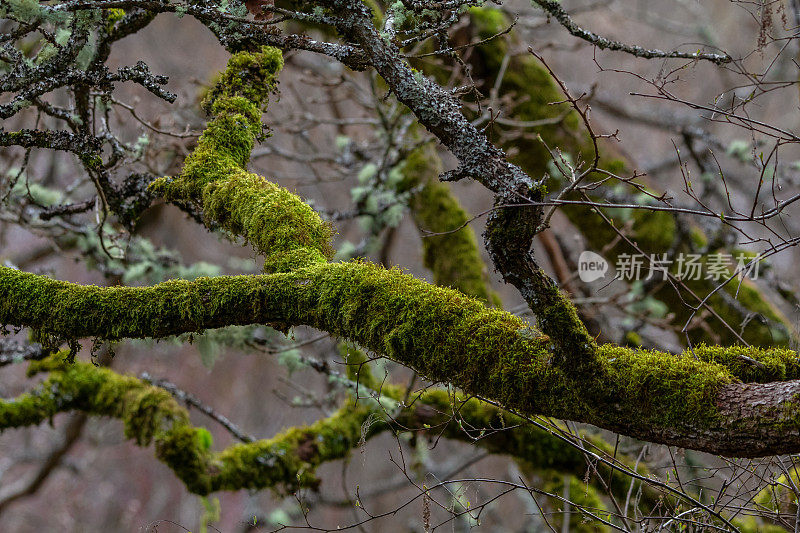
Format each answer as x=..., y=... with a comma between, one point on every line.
x=436, y=109
x=557, y=11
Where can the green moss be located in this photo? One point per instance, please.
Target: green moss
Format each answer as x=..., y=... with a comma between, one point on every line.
x=251, y=76
x=581, y=496
x=779, y=364
x=113, y=16
x=276, y=222
x=685, y=390
x=440, y=332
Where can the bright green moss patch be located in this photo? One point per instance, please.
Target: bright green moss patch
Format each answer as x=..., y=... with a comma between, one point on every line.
x=781, y=364
x=685, y=389
x=251, y=76
x=276, y=222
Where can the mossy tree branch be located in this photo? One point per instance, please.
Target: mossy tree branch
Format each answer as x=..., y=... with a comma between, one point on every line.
x=287, y=461
x=695, y=400
x=152, y=415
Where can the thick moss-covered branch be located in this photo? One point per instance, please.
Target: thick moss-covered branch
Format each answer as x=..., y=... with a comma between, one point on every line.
x=275, y=221
x=693, y=400
x=291, y=235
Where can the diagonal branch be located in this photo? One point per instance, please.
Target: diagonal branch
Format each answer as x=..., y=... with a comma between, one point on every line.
x=440, y=112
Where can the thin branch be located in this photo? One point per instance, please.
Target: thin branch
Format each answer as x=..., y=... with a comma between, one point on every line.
x=560, y=14
x=192, y=401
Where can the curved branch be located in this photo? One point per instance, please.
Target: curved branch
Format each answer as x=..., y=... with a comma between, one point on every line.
x=152, y=415
x=449, y=337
